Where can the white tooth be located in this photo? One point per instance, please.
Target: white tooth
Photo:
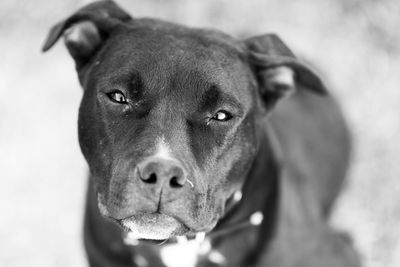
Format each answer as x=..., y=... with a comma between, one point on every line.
x=181, y=239
x=237, y=196
x=256, y=218
x=216, y=257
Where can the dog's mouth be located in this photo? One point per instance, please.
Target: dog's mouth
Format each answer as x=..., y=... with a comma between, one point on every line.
x=148, y=225
x=153, y=226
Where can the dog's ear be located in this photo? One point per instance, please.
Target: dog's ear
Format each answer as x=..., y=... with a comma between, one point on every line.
x=87, y=29
x=277, y=70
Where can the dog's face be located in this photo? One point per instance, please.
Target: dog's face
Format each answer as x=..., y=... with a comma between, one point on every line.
x=169, y=116
x=167, y=128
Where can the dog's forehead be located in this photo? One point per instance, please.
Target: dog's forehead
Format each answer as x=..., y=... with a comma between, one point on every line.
x=175, y=47
x=190, y=59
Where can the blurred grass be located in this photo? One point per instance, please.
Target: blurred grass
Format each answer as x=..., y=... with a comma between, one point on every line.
x=354, y=44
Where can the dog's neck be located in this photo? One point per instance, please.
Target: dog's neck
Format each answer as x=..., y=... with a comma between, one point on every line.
x=260, y=196
x=258, y=189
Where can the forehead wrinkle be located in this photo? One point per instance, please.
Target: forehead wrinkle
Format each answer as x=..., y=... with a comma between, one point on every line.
x=208, y=77
x=214, y=96
x=118, y=79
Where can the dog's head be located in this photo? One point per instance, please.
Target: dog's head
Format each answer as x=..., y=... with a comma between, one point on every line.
x=169, y=117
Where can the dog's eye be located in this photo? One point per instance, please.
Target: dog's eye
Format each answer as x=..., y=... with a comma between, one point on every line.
x=118, y=97
x=222, y=115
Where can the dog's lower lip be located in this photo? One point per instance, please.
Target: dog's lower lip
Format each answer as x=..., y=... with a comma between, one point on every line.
x=149, y=216
x=153, y=226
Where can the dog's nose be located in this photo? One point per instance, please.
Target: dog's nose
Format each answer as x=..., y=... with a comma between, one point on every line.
x=163, y=173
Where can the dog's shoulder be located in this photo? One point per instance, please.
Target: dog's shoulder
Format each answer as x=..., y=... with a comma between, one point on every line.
x=315, y=143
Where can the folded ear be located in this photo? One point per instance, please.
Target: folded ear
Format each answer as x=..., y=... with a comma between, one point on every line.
x=277, y=69
x=87, y=29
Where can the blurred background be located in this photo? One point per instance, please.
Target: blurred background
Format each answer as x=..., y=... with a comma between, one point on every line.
x=354, y=44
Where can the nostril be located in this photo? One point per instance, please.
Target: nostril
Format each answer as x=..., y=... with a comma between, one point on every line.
x=150, y=179
x=178, y=179
x=175, y=182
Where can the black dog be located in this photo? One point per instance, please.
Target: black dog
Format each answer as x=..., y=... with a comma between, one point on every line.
x=177, y=127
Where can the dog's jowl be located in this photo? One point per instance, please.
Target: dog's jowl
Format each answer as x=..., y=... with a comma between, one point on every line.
x=196, y=141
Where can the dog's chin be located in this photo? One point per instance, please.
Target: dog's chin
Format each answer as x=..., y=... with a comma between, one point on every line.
x=153, y=226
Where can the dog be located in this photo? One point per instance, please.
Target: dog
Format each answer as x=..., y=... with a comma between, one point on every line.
x=195, y=139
